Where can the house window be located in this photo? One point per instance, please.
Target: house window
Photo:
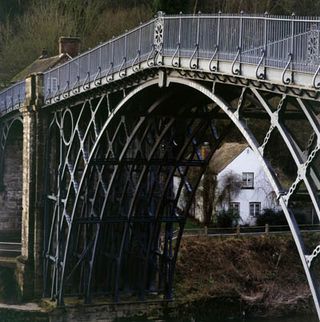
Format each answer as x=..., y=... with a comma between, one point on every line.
x=247, y=180
x=255, y=208
x=235, y=206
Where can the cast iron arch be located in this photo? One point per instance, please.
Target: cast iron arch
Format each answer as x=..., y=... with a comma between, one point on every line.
x=66, y=222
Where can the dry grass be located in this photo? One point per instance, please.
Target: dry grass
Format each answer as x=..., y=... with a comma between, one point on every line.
x=263, y=272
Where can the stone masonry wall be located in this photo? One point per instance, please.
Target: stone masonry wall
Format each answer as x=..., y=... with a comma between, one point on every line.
x=11, y=196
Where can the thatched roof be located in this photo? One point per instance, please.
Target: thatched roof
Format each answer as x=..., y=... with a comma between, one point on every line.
x=225, y=155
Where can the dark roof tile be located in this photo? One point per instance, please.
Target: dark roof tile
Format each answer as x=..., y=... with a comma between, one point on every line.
x=39, y=66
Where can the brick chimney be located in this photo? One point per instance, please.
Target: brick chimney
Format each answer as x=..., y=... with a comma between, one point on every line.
x=69, y=45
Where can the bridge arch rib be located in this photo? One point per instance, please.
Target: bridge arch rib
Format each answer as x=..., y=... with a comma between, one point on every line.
x=115, y=174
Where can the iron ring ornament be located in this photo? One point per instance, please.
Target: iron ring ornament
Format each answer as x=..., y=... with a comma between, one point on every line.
x=67, y=126
x=158, y=33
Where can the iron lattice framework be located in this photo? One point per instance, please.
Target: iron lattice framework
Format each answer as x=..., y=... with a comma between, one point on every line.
x=112, y=205
x=128, y=120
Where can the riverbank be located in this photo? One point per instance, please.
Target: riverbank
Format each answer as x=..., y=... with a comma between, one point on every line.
x=232, y=277
x=253, y=276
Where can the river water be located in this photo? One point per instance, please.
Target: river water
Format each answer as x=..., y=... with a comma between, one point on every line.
x=202, y=318
x=209, y=318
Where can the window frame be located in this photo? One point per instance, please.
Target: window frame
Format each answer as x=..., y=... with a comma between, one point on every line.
x=246, y=179
x=254, y=204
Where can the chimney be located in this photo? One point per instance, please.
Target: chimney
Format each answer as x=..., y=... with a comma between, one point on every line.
x=44, y=54
x=69, y=45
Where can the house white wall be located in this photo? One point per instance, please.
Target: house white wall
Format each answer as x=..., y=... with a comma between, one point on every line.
x=261, y=192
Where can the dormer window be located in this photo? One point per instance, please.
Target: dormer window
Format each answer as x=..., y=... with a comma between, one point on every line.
x=247, y=180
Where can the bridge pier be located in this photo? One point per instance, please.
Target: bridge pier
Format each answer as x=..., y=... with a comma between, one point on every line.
x=29, y=264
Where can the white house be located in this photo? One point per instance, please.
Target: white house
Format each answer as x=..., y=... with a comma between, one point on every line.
x=255, y=191
x=235, y=164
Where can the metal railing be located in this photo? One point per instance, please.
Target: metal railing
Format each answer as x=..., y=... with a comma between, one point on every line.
x=12, y=97
x=114, y=56
x=289, y=43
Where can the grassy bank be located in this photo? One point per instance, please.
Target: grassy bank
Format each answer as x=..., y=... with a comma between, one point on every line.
x=256, y=276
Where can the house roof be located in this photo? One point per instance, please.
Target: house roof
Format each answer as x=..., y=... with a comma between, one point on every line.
x=229, y=151
x=40, y=65
x=225, y=155
x=69, y=47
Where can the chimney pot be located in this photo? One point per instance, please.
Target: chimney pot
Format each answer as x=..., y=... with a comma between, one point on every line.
x=44, y=54
x=69, y=45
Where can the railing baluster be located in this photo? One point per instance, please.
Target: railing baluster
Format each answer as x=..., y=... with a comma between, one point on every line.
x=215, y=55
x=234, y=70
x=136, y=65
x=109, y=75
x=263, y=51
x=123, y=73
x=195, y=54
x=175, y=63
x=289, y=80
x=97, y=78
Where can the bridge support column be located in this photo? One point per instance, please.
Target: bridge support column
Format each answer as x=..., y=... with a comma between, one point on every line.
x=29, y=266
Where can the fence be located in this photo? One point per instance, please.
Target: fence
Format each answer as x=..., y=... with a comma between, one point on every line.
x=12, y=98
x=246, y=230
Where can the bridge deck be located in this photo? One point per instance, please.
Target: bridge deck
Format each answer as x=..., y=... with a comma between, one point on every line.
x=278, y=50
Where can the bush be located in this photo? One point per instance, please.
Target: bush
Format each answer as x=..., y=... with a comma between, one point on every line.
x=227, y=218
x=277, y=218
x=271, y=217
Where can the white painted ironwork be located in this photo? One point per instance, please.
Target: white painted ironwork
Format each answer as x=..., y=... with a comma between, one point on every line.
x=12, y=97
x=288, y=43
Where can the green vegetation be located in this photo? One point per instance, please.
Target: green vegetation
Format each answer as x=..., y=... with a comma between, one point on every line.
x=28, y=26
x=228, y=218
x=39, y=25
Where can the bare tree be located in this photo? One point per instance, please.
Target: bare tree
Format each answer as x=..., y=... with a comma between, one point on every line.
x=209, y=185
x=229, y=189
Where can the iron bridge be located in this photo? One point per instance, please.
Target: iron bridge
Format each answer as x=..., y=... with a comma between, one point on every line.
x=112, y=144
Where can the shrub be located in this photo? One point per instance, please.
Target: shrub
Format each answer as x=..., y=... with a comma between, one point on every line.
x=271, y=217
x=228, y=218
